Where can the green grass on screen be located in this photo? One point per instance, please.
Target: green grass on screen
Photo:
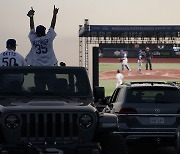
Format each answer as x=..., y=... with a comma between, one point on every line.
x=110, y=84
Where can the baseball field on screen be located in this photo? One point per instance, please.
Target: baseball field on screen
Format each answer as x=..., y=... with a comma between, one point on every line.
x=164, y=69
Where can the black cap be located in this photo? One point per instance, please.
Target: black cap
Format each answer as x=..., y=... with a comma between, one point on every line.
x=11, y=43
x=40, y=30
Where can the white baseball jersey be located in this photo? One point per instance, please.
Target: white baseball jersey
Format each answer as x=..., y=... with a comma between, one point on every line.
x=11, y=58
x=42, y=53
x=124, y=59
x=119, y=78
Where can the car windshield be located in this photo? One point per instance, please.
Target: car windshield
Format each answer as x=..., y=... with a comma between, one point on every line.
x=44, y=81
x=153, y=95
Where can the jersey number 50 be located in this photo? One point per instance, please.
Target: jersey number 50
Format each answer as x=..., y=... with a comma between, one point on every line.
x=41, y=49
x=9, y=61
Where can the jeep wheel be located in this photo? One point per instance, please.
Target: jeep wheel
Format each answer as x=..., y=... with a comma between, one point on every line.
x=113, y=144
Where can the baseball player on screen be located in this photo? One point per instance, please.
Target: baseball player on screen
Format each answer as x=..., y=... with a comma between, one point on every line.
x=124, y=61
x=148, y=57
x=42, y=53
x=140, y=57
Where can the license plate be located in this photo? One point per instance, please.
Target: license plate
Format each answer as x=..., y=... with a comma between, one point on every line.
x=157, y=120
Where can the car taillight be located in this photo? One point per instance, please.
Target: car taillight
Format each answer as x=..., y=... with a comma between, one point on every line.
x=127, y=110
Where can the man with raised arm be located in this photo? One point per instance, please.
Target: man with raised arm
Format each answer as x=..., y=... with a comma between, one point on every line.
x=42, y=53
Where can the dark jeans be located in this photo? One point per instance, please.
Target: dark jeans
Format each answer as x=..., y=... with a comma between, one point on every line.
x=42, y=80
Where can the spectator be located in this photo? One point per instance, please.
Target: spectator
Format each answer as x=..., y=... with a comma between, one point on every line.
x=62, y=64
x=42, y=53
x=11, y=58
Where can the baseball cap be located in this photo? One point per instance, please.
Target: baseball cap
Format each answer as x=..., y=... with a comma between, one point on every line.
x=147, y=48
x=11, y=43
x=40, y=30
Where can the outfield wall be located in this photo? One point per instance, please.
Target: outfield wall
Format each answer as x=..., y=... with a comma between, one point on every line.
x=134, y=60
x=133, y=53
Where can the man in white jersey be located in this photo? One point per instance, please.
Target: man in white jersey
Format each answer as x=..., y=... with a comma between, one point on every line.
x=11, y=58
x=140, y=57
x=124, y=60
x=119, y=78
x=42, y=53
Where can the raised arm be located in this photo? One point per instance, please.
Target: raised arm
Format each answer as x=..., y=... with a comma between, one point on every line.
x=53, y=22
x=30, y=14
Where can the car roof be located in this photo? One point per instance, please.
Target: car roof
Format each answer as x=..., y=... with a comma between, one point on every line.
x=150, y=84
x=40, y=67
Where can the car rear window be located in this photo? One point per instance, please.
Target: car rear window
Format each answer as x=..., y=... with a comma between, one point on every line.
x=153, y=95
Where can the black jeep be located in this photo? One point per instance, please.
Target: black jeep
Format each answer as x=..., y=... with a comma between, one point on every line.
x=51, y=110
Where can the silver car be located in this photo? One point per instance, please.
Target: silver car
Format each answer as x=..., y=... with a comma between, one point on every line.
x=148, y=112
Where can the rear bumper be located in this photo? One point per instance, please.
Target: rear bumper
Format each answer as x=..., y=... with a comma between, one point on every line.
x=148, y=135
x=153, y=139
x=148, y=127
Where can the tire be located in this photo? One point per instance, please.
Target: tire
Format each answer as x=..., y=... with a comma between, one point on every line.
x=113, y=144
x=177, y=141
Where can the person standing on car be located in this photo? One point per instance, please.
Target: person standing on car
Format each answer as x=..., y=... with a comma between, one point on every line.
x=148, y=58
x=10, y=57
x=119, y=78
x=42, y=53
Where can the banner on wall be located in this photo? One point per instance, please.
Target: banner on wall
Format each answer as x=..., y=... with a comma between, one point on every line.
x=133, y=53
